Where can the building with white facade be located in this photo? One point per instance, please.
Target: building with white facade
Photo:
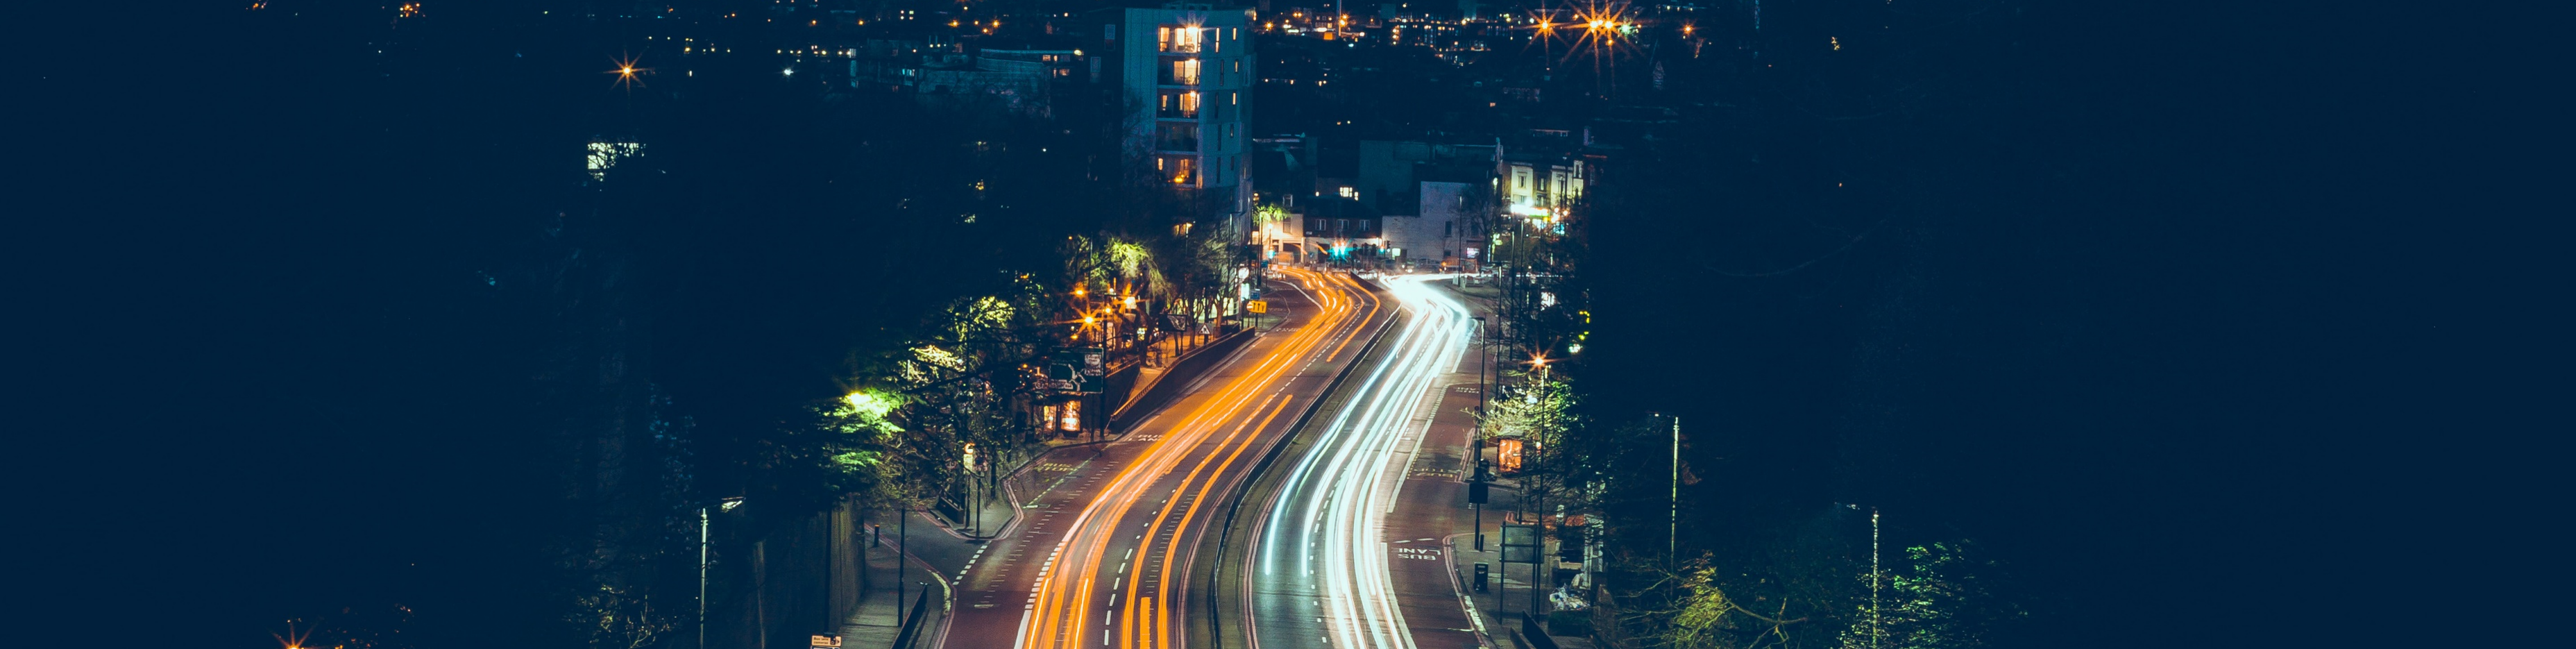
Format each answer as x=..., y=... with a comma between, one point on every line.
x=1433, y=199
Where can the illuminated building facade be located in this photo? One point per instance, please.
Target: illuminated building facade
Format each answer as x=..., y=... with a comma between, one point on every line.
x=1186, y=71
x=1540, y=186
x=1343, y=230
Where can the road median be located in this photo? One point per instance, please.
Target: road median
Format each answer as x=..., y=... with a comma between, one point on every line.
x=1260, y=484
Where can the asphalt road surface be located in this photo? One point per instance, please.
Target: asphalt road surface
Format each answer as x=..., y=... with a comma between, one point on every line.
x=1325, y=570
x=1102, y=558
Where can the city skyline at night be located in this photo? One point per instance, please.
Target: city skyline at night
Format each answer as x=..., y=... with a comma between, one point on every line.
x=1395, y=324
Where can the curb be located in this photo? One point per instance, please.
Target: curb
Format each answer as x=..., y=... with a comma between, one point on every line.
x=947, y=600
x=1457, y=581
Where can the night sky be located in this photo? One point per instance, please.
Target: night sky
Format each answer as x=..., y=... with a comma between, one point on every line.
x=2227, y=323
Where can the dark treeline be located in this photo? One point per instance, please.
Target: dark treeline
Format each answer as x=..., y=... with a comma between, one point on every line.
x=373, y=350
x=2122, y=297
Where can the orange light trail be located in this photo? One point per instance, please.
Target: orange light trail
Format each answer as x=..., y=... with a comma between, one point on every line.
x=1073, y=564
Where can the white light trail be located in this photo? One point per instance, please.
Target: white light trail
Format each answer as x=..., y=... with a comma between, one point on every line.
x=1349, y=469
x=1063, y=597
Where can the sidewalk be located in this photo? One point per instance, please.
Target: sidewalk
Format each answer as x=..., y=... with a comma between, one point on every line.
x=1157, y=361
x=984, y=518
x=876, y=623
x=998, y=510
x=1498, y=609
x=1157, y=356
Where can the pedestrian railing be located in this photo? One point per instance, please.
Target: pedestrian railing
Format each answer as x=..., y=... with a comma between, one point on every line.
x=912, y=622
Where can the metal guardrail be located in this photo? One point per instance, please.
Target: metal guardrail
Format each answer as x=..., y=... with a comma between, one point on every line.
x=1536, y=634
x=912, y=622
x=1225, y=535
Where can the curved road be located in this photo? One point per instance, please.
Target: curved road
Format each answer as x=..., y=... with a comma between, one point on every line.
x=1101, y=559
x=1321, y=573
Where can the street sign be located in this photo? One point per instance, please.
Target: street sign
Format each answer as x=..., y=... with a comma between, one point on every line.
x=1520, y=543
x=1478, y=492
x=1257, y=306
x=1077, y=370
x=827, y=642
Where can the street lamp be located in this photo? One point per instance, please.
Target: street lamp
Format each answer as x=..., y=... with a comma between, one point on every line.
x=1481, y=388
x=973, y=493
x=704, y=540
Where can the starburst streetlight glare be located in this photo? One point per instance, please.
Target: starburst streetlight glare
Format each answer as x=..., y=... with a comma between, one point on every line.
x=629, y=75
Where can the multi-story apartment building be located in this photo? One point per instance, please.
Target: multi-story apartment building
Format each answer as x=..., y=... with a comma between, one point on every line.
x=1539, y=182
x=1187, y=71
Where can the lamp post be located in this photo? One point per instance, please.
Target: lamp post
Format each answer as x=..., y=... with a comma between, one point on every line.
x=1479, y=439
x=1531, y=483
x=702, y=577
x=902, y=551
x=704, y=540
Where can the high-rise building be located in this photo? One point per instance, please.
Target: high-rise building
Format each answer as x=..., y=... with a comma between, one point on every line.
x=1187, y=74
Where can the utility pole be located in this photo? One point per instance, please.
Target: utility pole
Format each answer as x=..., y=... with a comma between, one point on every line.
x=1875, y=577
x=902, y=551
x=1673, y=541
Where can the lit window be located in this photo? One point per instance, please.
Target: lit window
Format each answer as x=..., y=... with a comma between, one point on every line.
x=1350, y=192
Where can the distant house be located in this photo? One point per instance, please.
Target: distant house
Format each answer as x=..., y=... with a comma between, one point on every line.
x=1433, y=198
